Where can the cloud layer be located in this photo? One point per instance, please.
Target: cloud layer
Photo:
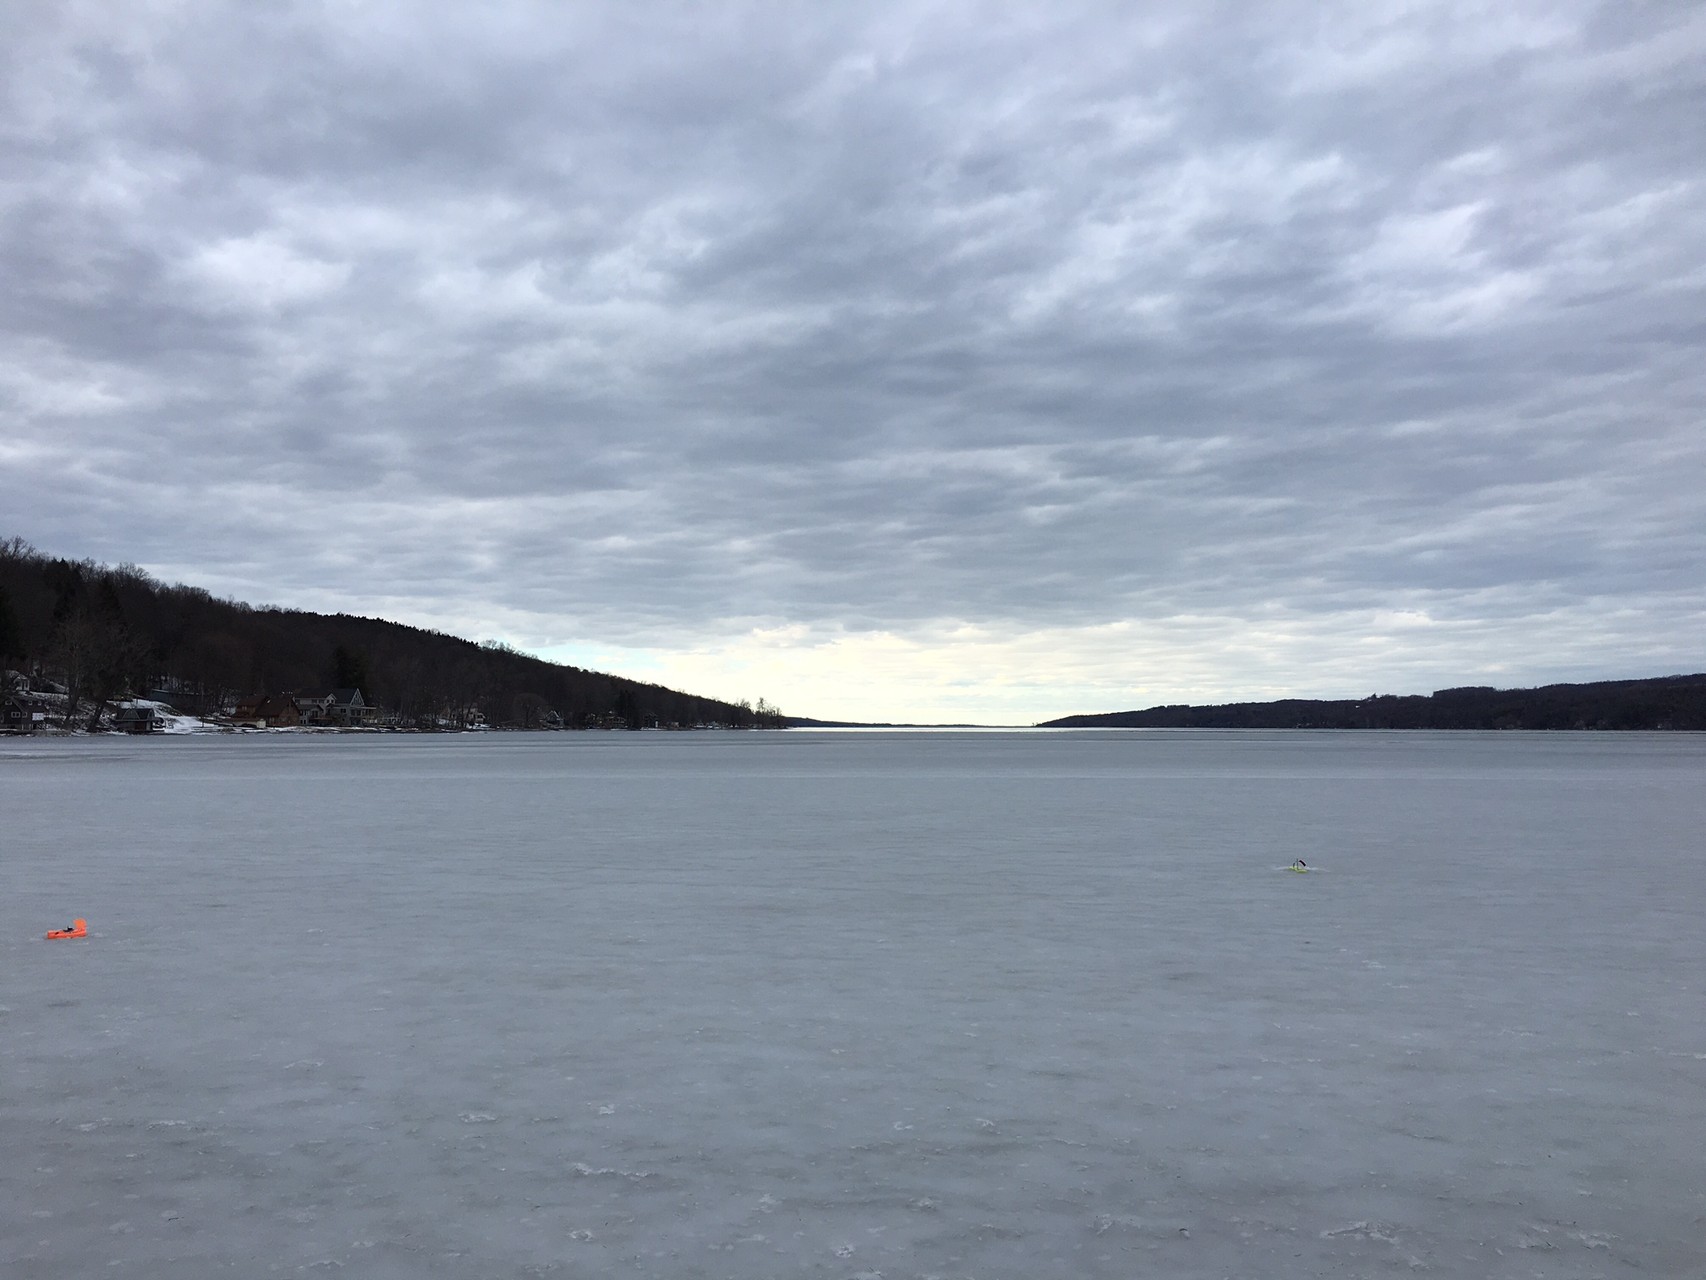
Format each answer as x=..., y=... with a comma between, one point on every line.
x=897, y=360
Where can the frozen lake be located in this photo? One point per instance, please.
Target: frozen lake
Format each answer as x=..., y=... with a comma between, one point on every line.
x=817, y=1004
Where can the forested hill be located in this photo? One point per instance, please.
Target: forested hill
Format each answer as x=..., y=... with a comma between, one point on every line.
x=1667, y=702
x=102, y=633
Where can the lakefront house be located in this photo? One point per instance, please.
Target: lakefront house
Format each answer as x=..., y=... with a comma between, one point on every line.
x=267, y=711
x=341, y=707
x=17, y=716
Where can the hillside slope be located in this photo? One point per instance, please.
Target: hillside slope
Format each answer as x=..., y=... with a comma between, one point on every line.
x=104, y=632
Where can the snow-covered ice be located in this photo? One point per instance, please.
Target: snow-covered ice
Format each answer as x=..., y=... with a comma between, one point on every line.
x=957, y=1005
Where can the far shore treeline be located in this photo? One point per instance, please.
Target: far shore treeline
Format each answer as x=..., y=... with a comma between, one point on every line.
x=96, y=634
x=1666, y=702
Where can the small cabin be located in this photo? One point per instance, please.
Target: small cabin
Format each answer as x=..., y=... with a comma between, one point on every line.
x=135, y=719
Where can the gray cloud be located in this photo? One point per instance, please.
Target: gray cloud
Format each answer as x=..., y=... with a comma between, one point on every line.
x=645, y=329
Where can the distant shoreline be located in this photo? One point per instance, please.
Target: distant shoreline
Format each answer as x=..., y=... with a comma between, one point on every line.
x=1665, y=704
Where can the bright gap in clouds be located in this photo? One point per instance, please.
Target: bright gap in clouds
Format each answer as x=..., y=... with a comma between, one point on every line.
x=979, y=675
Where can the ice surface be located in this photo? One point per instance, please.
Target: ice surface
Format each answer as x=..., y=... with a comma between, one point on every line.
x=752, y=1005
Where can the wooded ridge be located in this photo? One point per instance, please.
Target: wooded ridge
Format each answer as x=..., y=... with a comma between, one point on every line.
x=1663, y=702
x=88, y=635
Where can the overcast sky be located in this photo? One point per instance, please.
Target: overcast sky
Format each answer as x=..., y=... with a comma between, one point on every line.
x=884, y=360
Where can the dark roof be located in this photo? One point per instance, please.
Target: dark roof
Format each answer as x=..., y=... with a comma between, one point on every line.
x=264, y=701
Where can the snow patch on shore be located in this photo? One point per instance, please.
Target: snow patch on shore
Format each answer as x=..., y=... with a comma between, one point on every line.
x=172, y=720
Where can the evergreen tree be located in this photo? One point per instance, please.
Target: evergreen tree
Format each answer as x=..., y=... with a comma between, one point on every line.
x=349, y=669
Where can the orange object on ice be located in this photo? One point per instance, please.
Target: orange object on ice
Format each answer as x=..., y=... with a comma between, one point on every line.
x=79, y=929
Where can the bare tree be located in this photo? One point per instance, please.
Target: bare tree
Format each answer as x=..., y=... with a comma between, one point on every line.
x=113, y=665
x=71, y=650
